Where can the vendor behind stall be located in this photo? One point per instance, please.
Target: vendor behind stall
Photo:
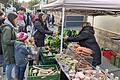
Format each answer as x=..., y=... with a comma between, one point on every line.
x=87, y=39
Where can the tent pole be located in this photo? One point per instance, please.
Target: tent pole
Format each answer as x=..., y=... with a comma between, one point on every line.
x=93, y=21
x=63, y=18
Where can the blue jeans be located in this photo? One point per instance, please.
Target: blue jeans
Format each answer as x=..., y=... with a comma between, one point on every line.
x=4, y=67
x=9, y=68
x=41, y=51
x=39, y=55
x=2, y=63
x=20, y=72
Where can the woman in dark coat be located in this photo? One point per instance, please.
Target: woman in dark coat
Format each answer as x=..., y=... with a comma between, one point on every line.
x=87, y=39
x=41, y=29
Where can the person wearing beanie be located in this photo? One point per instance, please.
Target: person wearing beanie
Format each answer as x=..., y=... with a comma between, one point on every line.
x=21, y=53
x=8, y=38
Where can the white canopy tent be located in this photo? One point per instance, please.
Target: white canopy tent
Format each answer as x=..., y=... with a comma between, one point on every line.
x=111, y=5
x=106, y=5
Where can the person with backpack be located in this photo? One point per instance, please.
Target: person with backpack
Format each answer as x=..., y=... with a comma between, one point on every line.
x=8, y=38
x=21, y=53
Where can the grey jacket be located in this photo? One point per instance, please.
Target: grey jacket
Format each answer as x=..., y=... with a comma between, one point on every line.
x=8, y=38
x=21, y=53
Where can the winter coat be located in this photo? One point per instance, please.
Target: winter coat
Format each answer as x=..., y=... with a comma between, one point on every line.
x=21, y=53
x=1, y=22
x=39, y=35
x=8, y=38
x=87, y=39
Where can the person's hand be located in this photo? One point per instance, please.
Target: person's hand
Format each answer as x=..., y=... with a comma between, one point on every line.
x=54, y=34
x=65, y=38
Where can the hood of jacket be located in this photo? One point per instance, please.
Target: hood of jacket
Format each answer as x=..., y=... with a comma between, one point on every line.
x=18, y=44
x=7, y=22
x=89, y=29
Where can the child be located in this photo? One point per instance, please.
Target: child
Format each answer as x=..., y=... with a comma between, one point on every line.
x=21, y=53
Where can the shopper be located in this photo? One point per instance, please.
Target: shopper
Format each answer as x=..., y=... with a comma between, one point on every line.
x=8, y=38
x=48, y=19
x=53, y=20
x=22, y=19
x=87, y=39
x=41, y=30
x=21, y=53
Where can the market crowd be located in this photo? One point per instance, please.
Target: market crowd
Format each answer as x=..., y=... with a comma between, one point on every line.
x=17, y=28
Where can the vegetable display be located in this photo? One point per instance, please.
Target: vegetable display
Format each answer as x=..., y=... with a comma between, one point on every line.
x=79, y=68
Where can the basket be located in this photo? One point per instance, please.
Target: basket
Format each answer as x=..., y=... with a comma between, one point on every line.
x=54, y=76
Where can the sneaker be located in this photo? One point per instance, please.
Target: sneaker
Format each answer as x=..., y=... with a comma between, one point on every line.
x=3, y=72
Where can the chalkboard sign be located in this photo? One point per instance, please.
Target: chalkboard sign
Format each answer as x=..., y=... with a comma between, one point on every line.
x=74, y=18
x=74, y=21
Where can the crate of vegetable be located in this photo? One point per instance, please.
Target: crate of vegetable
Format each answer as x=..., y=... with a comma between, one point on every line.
x=47, y=57
x=43, y=72
x=49, y=52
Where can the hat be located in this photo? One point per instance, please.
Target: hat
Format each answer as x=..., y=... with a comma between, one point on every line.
x=22, y=36
x=20, y=17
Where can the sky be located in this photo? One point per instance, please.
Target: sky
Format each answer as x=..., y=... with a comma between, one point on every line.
x=23, y=0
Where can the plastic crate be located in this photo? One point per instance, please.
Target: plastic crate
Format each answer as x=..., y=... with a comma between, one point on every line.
x=46, y=60
x=45, y=55
x=108, y=54
x=55, y=76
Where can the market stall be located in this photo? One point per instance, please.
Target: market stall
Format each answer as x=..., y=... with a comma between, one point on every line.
x=88, y=5
x=97, y=7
